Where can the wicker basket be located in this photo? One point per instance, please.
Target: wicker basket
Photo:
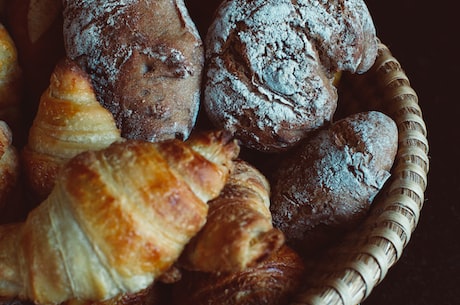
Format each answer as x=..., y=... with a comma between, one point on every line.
x=348, y=272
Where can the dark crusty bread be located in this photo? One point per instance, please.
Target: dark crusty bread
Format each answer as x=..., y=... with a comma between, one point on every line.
x=270, y=65
x=145, y=58
x=328, y=183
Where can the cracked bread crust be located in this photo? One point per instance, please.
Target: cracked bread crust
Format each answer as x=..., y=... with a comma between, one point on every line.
x=269, y=73
x=328, y=183
x=145, y=59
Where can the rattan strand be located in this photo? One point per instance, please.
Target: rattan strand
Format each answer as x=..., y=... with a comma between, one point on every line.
x=347, y=273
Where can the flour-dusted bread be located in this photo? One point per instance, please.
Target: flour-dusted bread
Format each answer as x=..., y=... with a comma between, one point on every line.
x=145, y=58
x=270, y=66
x=328, y=184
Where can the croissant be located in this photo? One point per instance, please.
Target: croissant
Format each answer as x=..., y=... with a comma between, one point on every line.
x=153, y=295
x=272, y=282
x=9, y=165
x=11, y=81
x=117, y=218
x=239, y=230
x=69, y=120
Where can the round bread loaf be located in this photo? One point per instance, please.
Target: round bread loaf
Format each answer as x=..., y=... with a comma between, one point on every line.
x=328, y=183
x=145, y=59
x=270, y=66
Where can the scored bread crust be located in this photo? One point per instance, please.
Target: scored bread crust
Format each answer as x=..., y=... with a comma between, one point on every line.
x=145, y=59
x=327, y=185
x=270, y=66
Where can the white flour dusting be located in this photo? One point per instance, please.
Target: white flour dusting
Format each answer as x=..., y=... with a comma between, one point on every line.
x=267, y=73
x=336, y=175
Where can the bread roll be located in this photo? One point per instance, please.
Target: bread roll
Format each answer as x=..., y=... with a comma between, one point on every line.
x=328, y=184
x=145, y=59
x=270, y=66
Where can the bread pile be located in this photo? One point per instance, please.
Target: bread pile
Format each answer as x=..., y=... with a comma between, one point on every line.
x=132, y=136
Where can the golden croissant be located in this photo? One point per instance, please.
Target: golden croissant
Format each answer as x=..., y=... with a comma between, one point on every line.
x=11, y=81
x=69, y=121
x=116, y=219
x=274, y=281
x=9, y=166
x=153, y=295
x=239, y=231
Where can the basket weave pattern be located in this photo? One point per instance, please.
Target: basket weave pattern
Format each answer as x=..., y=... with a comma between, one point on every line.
x=347, y=273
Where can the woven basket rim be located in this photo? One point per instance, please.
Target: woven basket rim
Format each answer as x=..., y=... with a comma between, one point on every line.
x=362, y=260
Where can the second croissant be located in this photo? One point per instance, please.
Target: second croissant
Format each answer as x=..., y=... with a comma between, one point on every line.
x=69, y=121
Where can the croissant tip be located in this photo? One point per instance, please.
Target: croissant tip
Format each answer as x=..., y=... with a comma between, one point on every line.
x=270, y=242
x=68, y=74
x=6, y=135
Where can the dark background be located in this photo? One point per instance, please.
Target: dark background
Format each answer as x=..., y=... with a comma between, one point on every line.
x=422, y=36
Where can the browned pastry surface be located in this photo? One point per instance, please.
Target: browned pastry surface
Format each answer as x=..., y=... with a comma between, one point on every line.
x=145, y=59
x=238, y=232
x=11, y=86
x=69, y=121
x=116, y=219
x=271, y=282
x=9, y=167
x=153, y=295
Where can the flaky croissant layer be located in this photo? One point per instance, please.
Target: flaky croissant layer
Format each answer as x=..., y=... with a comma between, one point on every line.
x=116, y=219
x=238, y=232
x=69, y=120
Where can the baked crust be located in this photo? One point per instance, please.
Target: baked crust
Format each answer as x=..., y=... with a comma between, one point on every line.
x=270, y=282
x=328, y=184
x=238, y=232
x=69, y=121
x=270, y=66
x=9, y=168
x=115, y=221
x=145, y=59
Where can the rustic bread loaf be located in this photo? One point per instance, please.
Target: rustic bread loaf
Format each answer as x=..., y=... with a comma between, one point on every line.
x=329, y=182
x=270, y=66
x=145, y=59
